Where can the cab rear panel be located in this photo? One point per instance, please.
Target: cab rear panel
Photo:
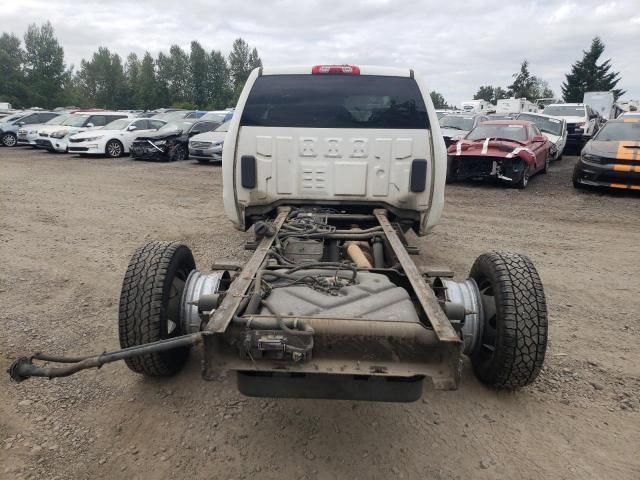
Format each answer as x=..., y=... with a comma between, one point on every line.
x=360, y=140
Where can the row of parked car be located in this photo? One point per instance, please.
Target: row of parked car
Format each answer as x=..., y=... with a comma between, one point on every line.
x=513, y=148
x=172, y=135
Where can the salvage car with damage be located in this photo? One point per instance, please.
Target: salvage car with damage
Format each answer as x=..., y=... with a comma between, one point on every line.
x=331, y=166
x=555, y=129
x=454, y=126
x=507, y=150
x=170, y=142
x=612, y=158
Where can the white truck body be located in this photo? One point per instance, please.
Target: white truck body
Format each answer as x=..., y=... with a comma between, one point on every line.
x=601, y=102
x=515, y=105
x=332, y=166
x=477, y=106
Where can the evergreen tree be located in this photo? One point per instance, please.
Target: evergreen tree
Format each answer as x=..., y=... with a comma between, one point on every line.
x=241, y=62
x=254, y=60
x=163, y=78
x=587, y=76
x=44, y=66
x=146, y=89
x=490, y=93
x=198, y=67
x=524, y=84
x=131, y=73
x=12, y=88
x=180, y=77
x=438, y=100
x=219, y=90
x=103, y=81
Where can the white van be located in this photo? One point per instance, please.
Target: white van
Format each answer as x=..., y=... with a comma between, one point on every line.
x=335, y=135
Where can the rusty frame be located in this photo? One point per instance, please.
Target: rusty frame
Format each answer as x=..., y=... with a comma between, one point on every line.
x=436, y=316
x=343, y=346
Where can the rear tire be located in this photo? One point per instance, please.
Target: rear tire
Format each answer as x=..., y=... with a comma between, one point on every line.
x=512, y=348
x=150, y=305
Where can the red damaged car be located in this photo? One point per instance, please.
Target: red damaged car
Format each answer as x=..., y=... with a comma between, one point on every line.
x=508, y=150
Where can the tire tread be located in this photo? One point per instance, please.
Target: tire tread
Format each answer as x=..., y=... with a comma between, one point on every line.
x=141, y=307
x=519, y=357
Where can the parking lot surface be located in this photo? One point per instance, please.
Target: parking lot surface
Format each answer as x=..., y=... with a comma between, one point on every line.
x=68, y=226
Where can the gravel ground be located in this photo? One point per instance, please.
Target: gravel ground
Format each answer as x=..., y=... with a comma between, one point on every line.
x=69, y=224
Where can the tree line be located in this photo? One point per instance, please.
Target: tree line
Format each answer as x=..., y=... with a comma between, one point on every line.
x=586, y=75
x=35, y=74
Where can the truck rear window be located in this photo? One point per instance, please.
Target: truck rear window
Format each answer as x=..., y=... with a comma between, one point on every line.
x=335, y=101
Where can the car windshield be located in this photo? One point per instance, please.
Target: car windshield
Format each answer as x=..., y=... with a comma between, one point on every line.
x=119, y=124
x=458, y=122
x=504, y=131
x=548, y=125
x=14, y=117
x=59, y=120
x=619, y=132
x=176, y=126
x=335, y=101
x=564, y=111
x=223, y=128
x=75, y=120
x=214, y=117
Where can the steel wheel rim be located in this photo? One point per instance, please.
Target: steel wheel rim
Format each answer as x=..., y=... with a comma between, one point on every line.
x=113, y=149
x=173, y=325
x=488, y=340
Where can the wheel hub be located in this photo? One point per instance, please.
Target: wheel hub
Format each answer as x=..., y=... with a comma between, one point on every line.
x=466, y=293
x=197, y=285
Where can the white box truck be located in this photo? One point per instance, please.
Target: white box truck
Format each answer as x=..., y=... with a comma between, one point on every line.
x=603, y=103
x=478, y=106
x=515, y=105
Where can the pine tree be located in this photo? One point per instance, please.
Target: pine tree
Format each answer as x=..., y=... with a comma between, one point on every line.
x=198, y=68
x=131, y=72
x=524, y=84
x=490, y=93
x=219, y=87
x=587, y=76
x=146, y=86
x=438, y=100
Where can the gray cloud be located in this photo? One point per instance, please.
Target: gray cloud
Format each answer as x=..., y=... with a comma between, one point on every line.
x=456, y=45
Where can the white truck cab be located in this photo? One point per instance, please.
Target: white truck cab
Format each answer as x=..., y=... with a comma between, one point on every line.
x=336, y=136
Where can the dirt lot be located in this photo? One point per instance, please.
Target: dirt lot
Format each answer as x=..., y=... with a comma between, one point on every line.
x=68, y=226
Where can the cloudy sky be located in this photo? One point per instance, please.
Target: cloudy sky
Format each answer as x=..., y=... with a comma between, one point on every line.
x=456, y=45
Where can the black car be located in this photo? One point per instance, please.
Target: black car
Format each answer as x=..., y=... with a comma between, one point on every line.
x=611, y=158
x=171, y=142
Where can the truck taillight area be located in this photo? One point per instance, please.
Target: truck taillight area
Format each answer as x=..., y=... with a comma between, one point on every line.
x=335, y=70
